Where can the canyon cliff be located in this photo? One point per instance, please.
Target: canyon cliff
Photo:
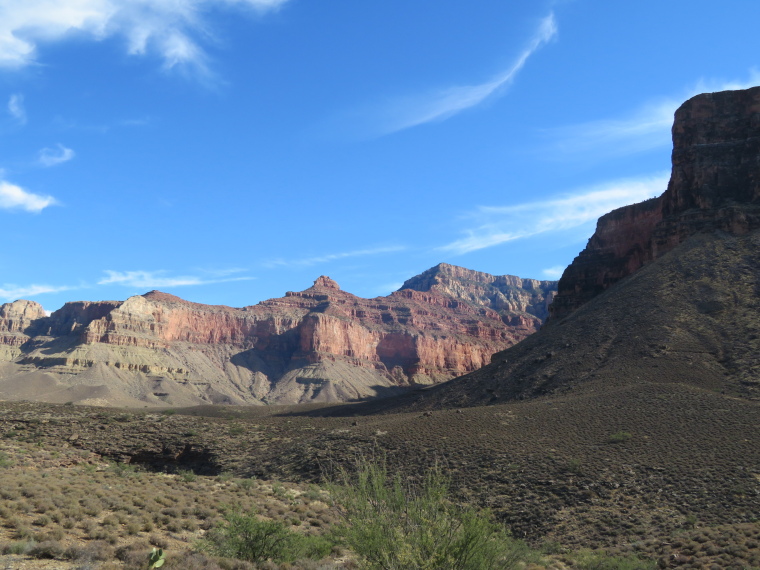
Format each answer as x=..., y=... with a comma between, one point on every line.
x=714, y=185
x=321, y=344
x=666, y=291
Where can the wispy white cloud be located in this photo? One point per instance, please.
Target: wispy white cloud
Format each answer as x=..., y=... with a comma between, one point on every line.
x=440, y=104
x=224, y=272
x=14, y=197
x=169, y=27
x=157, y=279
x=10, y=292
x=53, y=156
x=497, y=225
x=16, y=108
x=643, y=129
x=553, y=273
x=308, y=261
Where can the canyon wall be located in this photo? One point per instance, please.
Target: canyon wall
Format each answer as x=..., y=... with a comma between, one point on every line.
x=320, y=344
x=714, y=185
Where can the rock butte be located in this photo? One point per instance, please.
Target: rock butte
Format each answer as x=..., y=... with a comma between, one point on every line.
x=714, y=185
x=321, y=344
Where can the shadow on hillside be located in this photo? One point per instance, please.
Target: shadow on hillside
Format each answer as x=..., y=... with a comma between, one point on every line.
x=387, y=400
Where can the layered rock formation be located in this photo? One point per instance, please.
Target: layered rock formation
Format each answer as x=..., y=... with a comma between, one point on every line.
x=665, y=291
x=15, y=318
x=525, y=302
x=714, y=185
x=321, y=344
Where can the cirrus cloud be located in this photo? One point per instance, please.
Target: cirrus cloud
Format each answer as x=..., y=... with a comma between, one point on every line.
x=643, y=129
x=327, y=258
x=153, y=279
x=494, y=225
x=398, y=114
x=9, y=292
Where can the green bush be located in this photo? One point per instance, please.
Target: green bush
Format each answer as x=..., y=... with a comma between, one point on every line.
x=392, y=526
x=620, y=437
x=187, y=475
x=245, y=537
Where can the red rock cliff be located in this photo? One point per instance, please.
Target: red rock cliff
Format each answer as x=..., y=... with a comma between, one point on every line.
x=444, y=323
x=714, y=185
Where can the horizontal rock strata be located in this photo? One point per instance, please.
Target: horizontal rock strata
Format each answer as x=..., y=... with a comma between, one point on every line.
x=321, y=344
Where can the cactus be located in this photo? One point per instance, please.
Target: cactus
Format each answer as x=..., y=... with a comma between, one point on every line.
x=156, y=558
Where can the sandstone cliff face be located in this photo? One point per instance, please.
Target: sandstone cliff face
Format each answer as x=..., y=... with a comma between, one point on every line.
x=19, y=315
x=320, y=344
x=714, y=185
x=16, y=320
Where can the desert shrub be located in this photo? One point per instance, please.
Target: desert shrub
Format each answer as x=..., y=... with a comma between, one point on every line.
x=620, y=437
x=124, y=469
x=244, y=536
x=43, y=520
x=94, y=551
x=588, y=560
x=47, y=549
x=17, y=547
x=187, y=476
x=246, y=484
x=393, y=526
x=55, y=533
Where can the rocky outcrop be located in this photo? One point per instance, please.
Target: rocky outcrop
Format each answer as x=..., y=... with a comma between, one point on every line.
x=320, y=344
x=18, y=316
x=515, y=299
x=16, y=321
x=714, y=185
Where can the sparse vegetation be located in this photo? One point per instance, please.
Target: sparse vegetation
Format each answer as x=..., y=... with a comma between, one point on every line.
x=247, y=537
x=589, y=560
x=644, y=503
x=620, y=437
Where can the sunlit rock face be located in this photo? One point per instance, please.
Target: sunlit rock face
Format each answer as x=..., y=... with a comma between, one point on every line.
x=321, y=344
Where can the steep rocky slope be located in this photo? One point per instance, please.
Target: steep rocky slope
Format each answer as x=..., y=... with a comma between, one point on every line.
x=321, y=344
x=665, y=291
x=714, y=185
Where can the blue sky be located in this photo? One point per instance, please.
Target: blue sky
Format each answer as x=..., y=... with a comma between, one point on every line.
x=227, y=151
